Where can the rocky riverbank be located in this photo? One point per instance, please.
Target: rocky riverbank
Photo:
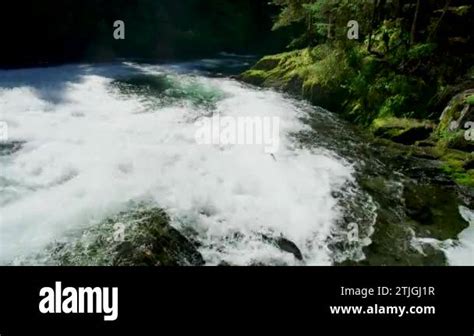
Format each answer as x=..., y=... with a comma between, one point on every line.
x=418, y=213
x=446, y=137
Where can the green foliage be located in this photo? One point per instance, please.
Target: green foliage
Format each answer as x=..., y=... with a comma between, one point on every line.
x=291, y=12
x=470, y=100
x=322, y=19
x=392, y=106
x=330, y=69
x=421, y=51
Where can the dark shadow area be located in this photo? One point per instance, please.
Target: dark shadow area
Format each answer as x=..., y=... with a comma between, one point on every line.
x=54, y=32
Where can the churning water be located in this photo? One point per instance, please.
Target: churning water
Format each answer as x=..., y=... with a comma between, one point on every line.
x=85, y=140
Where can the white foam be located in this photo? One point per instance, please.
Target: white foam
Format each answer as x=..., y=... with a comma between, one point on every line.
x=89, y=150
x=461, y=252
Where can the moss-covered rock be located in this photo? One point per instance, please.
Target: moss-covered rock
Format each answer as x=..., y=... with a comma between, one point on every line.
x=312, y=73
x=402, y=130
x=452, y=121
x=141, y=236
x=281, y=71
x=457, y=140
x=458, y=165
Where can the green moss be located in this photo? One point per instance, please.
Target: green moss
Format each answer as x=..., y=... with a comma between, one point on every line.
x=337, y=78
x=451, y=113
x=470, y=100
x=393, y=122
x=454, y=163
x=402, y=130
x=279, y=71
x=455, y=140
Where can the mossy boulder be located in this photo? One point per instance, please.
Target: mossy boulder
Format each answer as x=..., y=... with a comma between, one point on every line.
x=402, y=130
x=457, y=139
x=455, y=118
x=315, y=74
x=281, y=71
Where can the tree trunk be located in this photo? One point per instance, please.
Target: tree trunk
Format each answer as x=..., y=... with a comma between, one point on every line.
x=381, y=11
x=413, y=25
x=438, y=23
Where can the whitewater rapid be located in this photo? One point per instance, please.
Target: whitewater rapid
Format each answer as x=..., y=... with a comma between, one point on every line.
x=88, y=149
x=88, y=143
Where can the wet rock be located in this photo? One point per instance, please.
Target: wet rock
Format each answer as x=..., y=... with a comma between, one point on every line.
x=428, y=174
x=380, y=187
x=267, y=63
x=137, y=237
x=284, y=245
x=290, y=247
x=425, y=143
x=9, y=148
x=435, y=209
x=426, y=152
x=391, y=243
x=158, y=246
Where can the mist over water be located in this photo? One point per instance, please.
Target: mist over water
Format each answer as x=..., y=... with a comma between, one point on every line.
x=90, y=139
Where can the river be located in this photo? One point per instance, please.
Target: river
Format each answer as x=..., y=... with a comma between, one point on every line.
x=85, y=140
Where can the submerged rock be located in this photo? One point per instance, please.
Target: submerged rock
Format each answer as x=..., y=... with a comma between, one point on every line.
x=284, y=245
x=9, y=148
x=138, y=237
x=164, y=90
x=290, y=247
